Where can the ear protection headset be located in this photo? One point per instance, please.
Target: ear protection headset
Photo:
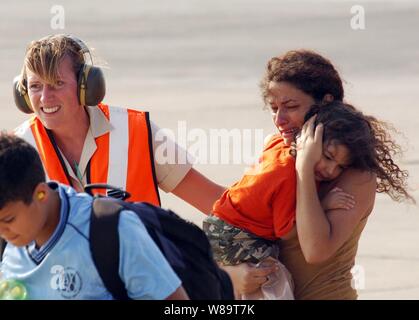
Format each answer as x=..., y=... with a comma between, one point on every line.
x=91, y=86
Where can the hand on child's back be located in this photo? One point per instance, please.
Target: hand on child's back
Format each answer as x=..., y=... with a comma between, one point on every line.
x=338, y=199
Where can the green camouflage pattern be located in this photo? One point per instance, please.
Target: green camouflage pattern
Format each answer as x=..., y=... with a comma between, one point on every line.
x=232, y=245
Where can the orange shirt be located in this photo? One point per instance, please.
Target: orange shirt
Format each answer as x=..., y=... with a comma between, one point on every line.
x=263, y=201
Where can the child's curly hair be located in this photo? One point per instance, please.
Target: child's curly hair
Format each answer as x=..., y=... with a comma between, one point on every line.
x=370, y=145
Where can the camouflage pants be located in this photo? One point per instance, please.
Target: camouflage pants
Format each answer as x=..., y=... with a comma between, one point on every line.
x=232, y=245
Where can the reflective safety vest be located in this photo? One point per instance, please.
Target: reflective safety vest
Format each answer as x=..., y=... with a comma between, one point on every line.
x=123, y=158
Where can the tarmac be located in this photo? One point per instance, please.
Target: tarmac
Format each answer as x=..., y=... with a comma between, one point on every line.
x=200, y=62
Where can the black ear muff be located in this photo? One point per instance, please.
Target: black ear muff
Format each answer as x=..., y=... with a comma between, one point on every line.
x=20, y=95
x=91, y=85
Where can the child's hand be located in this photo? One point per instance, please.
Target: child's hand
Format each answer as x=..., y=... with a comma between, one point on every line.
x=309, y=145
x=338, y=199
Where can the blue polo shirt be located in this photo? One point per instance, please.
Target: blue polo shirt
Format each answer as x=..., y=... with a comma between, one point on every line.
x=63, y=267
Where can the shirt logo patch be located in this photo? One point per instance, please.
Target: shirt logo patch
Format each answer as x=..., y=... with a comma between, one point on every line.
x=66, y=280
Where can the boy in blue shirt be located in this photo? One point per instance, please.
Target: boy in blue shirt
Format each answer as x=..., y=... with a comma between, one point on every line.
x=46, y=226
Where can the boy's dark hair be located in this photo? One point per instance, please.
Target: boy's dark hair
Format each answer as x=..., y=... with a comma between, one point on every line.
x=20, y=170
x=369, y=143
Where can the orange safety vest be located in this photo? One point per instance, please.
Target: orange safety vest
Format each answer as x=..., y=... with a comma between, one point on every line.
x=123, y=158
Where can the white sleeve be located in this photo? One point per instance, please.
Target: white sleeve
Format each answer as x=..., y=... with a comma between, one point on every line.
x=171, y=161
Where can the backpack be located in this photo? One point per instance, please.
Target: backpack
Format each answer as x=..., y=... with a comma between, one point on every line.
x=3, y=244
x=184, y=245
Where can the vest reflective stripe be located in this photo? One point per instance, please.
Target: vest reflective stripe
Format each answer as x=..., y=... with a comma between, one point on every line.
x=123, y=157
x=118, y=147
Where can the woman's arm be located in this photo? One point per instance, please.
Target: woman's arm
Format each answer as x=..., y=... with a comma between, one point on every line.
x=321, y=233
x=172, y=162
x=198, y=191
x=247, y=278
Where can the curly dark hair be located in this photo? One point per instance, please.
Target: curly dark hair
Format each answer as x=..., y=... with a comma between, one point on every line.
x=308, y=71
x=370, y=145
x=20, y=170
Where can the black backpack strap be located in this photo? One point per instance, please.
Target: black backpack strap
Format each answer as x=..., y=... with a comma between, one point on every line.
x=104, y=245
x=3, y=244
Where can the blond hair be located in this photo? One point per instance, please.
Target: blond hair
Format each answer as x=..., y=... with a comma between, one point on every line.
x=44, y=56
